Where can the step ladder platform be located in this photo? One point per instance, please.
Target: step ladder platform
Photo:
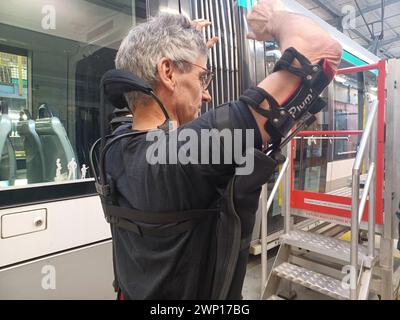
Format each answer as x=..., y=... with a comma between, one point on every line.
x=312, y=280
x=327, y=246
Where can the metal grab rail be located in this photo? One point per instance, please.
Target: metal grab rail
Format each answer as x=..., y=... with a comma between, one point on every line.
x=276, y=185
x=357, y=207
x=265, y=206
x=330, y=132
x=365, y=137
x=322, y=138
x=363, y=202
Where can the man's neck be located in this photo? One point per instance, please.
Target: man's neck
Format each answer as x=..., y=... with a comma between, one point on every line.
x=149, y=116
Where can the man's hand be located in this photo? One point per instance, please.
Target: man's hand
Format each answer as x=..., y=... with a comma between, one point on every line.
x=260, y=19
x=199, y=24
x=268, y=20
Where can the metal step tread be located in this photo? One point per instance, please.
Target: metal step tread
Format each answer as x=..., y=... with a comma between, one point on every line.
x=312, y=280
x=327, y=246
x=275, y=297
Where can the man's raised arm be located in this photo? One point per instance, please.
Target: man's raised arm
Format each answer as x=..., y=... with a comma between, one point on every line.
x=268, y=21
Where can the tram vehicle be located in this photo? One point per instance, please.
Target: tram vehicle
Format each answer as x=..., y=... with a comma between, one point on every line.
x=55, y=242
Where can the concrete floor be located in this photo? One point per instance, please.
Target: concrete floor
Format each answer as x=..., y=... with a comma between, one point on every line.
x=252, y=282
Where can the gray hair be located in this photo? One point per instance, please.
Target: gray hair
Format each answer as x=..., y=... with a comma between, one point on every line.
x=167, y=35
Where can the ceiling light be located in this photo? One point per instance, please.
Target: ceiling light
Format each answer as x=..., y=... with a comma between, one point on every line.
x=340, y=79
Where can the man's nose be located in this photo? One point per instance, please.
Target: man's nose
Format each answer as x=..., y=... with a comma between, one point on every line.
x=206, y=96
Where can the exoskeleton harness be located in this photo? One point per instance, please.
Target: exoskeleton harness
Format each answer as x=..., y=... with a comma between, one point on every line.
x=234, y=217
x=299, y=110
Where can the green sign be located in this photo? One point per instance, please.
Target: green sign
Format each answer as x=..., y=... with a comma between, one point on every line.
x=347, y=56
x=246, y=3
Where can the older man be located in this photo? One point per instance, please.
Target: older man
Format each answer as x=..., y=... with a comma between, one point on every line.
x=170, y=54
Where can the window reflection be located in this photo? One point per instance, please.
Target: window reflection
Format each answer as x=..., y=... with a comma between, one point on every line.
x=51, y=62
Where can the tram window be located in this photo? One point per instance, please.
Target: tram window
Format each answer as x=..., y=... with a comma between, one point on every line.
x=310, y=163
x=347, y=115
x=346, y=118
x=52, y=56
x=314, y=148
x=312, y=179
x=13, y=93
x=354, y=94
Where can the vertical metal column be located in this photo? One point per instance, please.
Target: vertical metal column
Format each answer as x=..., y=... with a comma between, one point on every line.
x=357, y=208
x=225, y=49
x=287, y=190
x=371, y=202
x=380, y=149
x=212, y=17
x=186, y=8
x=392, y=176
x=246, y=51
x=154, y=7
x=266, y=203
x=354, y=234
x=133, y=13
x=235, y=25
x=264, y=234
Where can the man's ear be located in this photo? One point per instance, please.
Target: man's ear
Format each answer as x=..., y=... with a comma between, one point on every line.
x=166, y=72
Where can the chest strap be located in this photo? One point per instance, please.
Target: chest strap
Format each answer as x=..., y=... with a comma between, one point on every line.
x=161, y=224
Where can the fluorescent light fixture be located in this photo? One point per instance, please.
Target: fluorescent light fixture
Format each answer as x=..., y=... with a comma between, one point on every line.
x=340, y=79
x=168, y=10
x=21, y=182
x=273, y=53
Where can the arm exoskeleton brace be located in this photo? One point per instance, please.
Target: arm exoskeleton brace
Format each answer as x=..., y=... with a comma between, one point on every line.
x=300, y=108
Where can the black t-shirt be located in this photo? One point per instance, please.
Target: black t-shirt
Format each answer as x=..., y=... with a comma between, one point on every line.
x=170, y=267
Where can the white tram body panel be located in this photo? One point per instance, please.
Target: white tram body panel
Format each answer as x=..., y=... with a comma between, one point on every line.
x=42, y=229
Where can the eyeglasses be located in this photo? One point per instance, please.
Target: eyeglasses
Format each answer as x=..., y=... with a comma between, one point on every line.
x=205, y=78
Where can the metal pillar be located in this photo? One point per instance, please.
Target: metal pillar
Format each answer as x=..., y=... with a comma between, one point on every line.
x=357, y=208
x=392, y=176
x=354, y=234
x=264, y=234
x=287, y=188
x=371, y=193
